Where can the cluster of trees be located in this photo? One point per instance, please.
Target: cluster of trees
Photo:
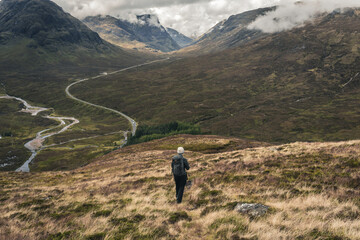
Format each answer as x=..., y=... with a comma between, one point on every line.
x=6, y=134
x=145, y=133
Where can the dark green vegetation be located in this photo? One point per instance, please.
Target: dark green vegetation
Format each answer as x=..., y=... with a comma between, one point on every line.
x=178, y=216
x=146, y=133
x=288, y=86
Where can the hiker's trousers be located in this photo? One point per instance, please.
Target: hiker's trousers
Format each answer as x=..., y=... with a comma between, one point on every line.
x=180, y=182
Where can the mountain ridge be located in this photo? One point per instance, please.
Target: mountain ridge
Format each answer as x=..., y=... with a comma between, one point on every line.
x=228, y=33
x=44, y=21
x=146, y=33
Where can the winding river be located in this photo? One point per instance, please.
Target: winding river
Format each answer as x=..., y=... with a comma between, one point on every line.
x=36, y=144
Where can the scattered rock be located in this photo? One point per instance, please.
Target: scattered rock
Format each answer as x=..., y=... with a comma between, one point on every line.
x=252, y=209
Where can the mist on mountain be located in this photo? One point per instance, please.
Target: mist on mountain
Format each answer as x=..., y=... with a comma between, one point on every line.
x=292, y=14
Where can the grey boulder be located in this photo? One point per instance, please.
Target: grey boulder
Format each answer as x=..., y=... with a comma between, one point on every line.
x=252, y=209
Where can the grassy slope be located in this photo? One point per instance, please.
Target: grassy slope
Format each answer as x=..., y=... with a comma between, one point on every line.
x=284, y=87
x=312, y=189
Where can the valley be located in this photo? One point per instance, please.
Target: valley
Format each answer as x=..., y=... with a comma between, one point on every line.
x=93, y=107
x=36, y=145
x=277, y=88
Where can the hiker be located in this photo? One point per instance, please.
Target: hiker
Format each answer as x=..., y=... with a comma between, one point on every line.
x=178, y=166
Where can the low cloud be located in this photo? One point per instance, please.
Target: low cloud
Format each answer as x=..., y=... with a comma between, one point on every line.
x=191, y=17
x=292, y=14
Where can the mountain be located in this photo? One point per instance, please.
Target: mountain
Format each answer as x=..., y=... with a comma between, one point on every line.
x=309, y=189
x=145, y=33
x=44, y=22
x=36, y=33
x=180, y=38
x=301, y=84
x=229, y=33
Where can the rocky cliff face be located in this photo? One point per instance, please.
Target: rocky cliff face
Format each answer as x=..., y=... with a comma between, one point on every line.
x=180, y=38
x=146, y=32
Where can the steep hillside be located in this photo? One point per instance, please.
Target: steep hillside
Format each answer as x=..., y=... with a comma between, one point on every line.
x=146, y=33
x=228, y=33
x=312, y=191
x=180, y=38
x=35, y=34
x=108, y=29
x=302, y=84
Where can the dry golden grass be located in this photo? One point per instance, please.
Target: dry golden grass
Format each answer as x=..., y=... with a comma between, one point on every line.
x=312, y=190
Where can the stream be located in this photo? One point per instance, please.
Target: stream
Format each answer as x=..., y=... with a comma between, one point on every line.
x=36, y=144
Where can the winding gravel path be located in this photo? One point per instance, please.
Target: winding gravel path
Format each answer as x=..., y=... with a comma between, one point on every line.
x=132, y=122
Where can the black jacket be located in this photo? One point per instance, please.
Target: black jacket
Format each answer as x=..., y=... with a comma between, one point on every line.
x=175, y=160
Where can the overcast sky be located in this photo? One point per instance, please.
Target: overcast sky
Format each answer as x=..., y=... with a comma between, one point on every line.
x=191, y=17
x=195, y=17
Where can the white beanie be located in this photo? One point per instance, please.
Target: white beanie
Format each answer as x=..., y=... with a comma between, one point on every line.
x=180, y=150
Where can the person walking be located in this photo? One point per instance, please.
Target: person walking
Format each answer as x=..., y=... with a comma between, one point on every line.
x=178, y=166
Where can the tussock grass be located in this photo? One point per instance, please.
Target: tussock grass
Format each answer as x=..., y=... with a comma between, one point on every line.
x=312, y=190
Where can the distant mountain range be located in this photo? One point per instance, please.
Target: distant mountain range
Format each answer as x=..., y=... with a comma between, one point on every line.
x=145, y=33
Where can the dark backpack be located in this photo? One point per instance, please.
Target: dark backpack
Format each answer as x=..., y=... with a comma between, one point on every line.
x=179, y=168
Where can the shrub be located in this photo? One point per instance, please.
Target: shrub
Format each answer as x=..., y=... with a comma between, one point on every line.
x=177, y=216
x=102, y=213
x=145, y=133
x=96, y=236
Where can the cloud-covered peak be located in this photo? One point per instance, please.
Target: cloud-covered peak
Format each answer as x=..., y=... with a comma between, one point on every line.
x=290, y=14
x=150, y=19
x=191, y=17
